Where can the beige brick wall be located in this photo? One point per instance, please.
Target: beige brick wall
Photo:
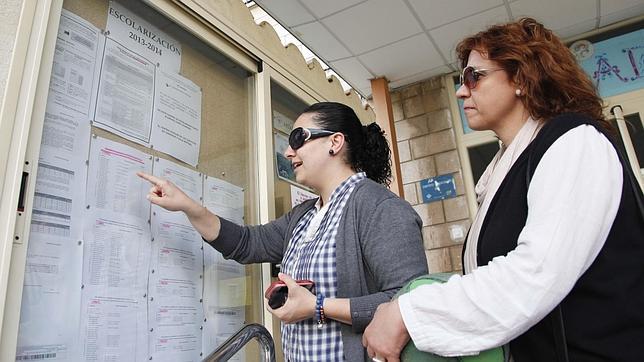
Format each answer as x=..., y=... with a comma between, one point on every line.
x=427, y=148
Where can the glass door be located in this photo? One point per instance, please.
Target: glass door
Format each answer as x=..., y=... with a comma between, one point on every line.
x=99, y=274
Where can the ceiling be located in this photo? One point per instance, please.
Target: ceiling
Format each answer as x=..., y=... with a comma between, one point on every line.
x=410, y=40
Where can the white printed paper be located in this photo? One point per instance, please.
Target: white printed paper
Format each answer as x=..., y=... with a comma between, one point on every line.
x=74, y=60
x=112, y=181
x=143, y=38
x=115, y=269
x=60, y=185
x=125, y=93
x=65, y=138
x=49, y=315
x=112, y=329
x=224, y=280
x=116, y=252
x=299, y=195
x=177, y=117
x=176, y=275
x=189, y=181
x=117, y=232
x=224, y=199
x=223, y=300
x=100, y=57
x=116, y=255
x=175, y=291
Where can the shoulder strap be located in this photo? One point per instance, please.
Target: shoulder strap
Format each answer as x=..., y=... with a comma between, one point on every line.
x=631, y=179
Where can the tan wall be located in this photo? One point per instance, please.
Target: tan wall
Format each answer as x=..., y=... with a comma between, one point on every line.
x=427, y=148
x=233, y=16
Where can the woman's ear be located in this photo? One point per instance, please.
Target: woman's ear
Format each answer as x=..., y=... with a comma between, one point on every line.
x=337, y=142
x=518, y=84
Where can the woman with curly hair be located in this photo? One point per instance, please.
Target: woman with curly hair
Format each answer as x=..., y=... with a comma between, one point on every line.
x=358, y=242
x=554, y=258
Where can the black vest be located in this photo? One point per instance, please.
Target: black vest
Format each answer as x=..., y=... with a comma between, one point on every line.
x=602, y=318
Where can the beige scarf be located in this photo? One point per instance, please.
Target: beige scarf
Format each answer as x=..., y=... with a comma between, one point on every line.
x=491, y=180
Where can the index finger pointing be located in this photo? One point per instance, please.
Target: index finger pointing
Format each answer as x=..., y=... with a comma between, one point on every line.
x=152, y=179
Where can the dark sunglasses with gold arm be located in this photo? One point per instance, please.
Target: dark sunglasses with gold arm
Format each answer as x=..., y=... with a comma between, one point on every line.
x=470, y=75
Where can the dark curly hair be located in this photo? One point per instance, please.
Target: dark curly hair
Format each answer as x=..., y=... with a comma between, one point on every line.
x=368, y=150
x=539, y=63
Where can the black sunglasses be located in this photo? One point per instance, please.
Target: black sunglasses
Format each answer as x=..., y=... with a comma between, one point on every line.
x=470, y=75
x=300, y=135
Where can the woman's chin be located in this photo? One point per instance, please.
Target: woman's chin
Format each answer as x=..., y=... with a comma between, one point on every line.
x=299, y=179
x=476, y=126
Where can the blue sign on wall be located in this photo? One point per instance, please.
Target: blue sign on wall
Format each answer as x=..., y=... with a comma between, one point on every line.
x=615, y=65
x=438, y=188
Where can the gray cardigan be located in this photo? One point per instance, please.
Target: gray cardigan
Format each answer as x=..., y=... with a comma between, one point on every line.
x=379, y=247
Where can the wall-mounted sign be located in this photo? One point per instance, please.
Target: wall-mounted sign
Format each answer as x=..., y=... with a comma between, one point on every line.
x=617, y=64
x=143, y=38
x=438, y=188
x=299, y=195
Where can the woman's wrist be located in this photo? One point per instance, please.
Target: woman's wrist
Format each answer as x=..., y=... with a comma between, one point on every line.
x=195, y=211
x=338, y=309
x=313, y=306
x=320, y=315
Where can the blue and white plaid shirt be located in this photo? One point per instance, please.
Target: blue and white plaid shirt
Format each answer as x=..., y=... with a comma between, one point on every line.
x=311, y=255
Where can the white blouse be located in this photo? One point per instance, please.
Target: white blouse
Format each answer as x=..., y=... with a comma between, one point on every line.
x=573, y=198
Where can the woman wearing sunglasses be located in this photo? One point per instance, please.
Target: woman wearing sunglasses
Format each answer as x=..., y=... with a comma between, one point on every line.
x=554, y=259
x=359, y=243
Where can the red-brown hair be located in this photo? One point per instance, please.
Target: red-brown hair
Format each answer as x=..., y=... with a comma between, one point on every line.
x=541, y=65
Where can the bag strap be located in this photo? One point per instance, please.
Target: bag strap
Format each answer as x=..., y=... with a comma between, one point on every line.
x=559, y=333
x=639, y=197
x=632, y=178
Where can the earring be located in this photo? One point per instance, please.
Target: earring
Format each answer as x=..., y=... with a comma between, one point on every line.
x=331, y=152
x=517, y=92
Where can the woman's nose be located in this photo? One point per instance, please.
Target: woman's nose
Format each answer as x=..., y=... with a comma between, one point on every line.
x=462, y=92
x=289, y=152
